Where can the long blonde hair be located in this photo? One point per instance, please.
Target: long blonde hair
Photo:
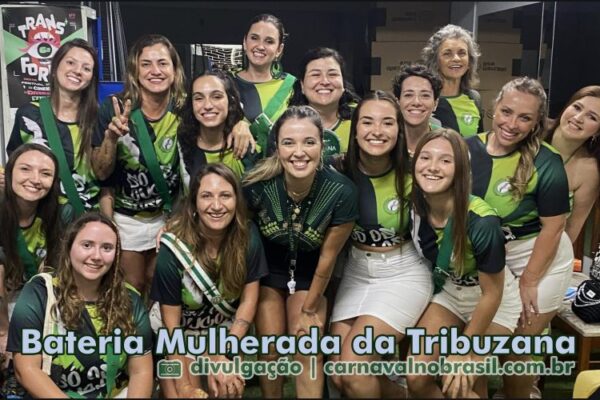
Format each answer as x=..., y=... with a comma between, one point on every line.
x=230, y=269
x=113, y=306
x=530, y=146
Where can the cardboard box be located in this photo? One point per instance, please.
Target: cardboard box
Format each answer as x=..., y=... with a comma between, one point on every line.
x=498, y=28
x=386, y=34
x=415, y=16
x=487, y=103
x=388, y=57
x=498, y=64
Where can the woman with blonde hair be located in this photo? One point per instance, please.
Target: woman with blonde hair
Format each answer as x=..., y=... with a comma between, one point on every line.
x=87, y=296
x=305, y=213
x=524, y=179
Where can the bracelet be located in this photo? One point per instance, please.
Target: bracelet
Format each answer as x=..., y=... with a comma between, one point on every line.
x=308, y=312
x=322, y=276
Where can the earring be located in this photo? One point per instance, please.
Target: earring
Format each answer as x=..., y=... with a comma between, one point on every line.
x=276, y=68
x=594, y=139
x=195, y=214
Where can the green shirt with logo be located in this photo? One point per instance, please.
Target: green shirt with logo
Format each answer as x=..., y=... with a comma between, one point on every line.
x=547, y=193
x=84, y=374
x=485, y=243
x=29, y=128
x=135, y=190
x=379, y=222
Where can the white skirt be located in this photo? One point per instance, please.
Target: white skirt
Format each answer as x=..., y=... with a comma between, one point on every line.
x=138, y=234
x=394, y=287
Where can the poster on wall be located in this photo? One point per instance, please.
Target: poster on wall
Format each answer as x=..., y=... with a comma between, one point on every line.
x=31, y=35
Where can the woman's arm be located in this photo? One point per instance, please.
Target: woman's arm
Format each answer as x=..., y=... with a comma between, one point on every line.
x=139, y=369
x=544, y=251
x=335, y=238
x=107, y=201
x=584, y=197
x=240, y=138
x=492, y=286
x=246, y=310
x=28, y=369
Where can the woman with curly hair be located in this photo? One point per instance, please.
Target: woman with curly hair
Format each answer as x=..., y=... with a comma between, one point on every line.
x=524, y=179
x=575, y=136
x=452, y=54
x=211, y=110
x=87, y=296
x=30, y=220
x=209, y=236
x=325, y=88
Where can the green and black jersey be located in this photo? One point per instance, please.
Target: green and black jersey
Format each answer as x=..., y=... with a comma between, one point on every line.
x=35, y=241
x=84, y=374
x=462, y=113
x=135, y=190
x=379, y=222
x=485, y=242
x=547, y=193
x=175, y=287
x=29, y=127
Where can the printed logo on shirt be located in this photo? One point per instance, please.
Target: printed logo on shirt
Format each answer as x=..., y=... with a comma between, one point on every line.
x=167, y=144
x=468, y=118
x=392, y=205
x=502, y=187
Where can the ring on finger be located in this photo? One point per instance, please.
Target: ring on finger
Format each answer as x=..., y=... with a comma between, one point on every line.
x=114, y=119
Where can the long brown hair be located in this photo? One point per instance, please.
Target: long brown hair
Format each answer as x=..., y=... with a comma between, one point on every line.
x=88, y=103
x=592, y=144
x=131, y=87
x=113, y=306
x=230, y=269
x=47, y=211
x=398, y=155
x=461, y=188
x=530, y=146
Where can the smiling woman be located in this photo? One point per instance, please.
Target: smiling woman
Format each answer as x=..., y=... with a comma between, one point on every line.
x=87, y=297
x=30, y=220
x=305, y=213
x=209, y=243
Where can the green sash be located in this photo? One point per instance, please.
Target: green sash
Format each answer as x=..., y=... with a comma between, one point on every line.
x=198, y=275
x=147, y=150
x=57, y=148
x=261, y=126
x=441, y=270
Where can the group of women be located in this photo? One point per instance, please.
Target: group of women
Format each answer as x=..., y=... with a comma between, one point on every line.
x=233, y=203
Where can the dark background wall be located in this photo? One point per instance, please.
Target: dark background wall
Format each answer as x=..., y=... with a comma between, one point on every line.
x=341, y=25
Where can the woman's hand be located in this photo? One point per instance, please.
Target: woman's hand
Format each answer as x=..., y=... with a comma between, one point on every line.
x=459, y=385
x=306, y=320
x=529, y=296
x=240, y=137
x=225, y=385
x=119, y=124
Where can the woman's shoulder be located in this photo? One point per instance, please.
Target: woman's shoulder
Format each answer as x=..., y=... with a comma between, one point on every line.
x=329, y=173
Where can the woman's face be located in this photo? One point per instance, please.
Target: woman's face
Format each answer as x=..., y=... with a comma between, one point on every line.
x=215, y=203
x=209, y=101
x=156, y=72
x=75, y=71
x=323, y=84
x=515, y=117
x=416, y=101
x=453, y=58
x=299, y=147
x=262, y=45
x=93, y=252
x=581, y=119
x=434, y=167
x=377, y=128
x=33, y=175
